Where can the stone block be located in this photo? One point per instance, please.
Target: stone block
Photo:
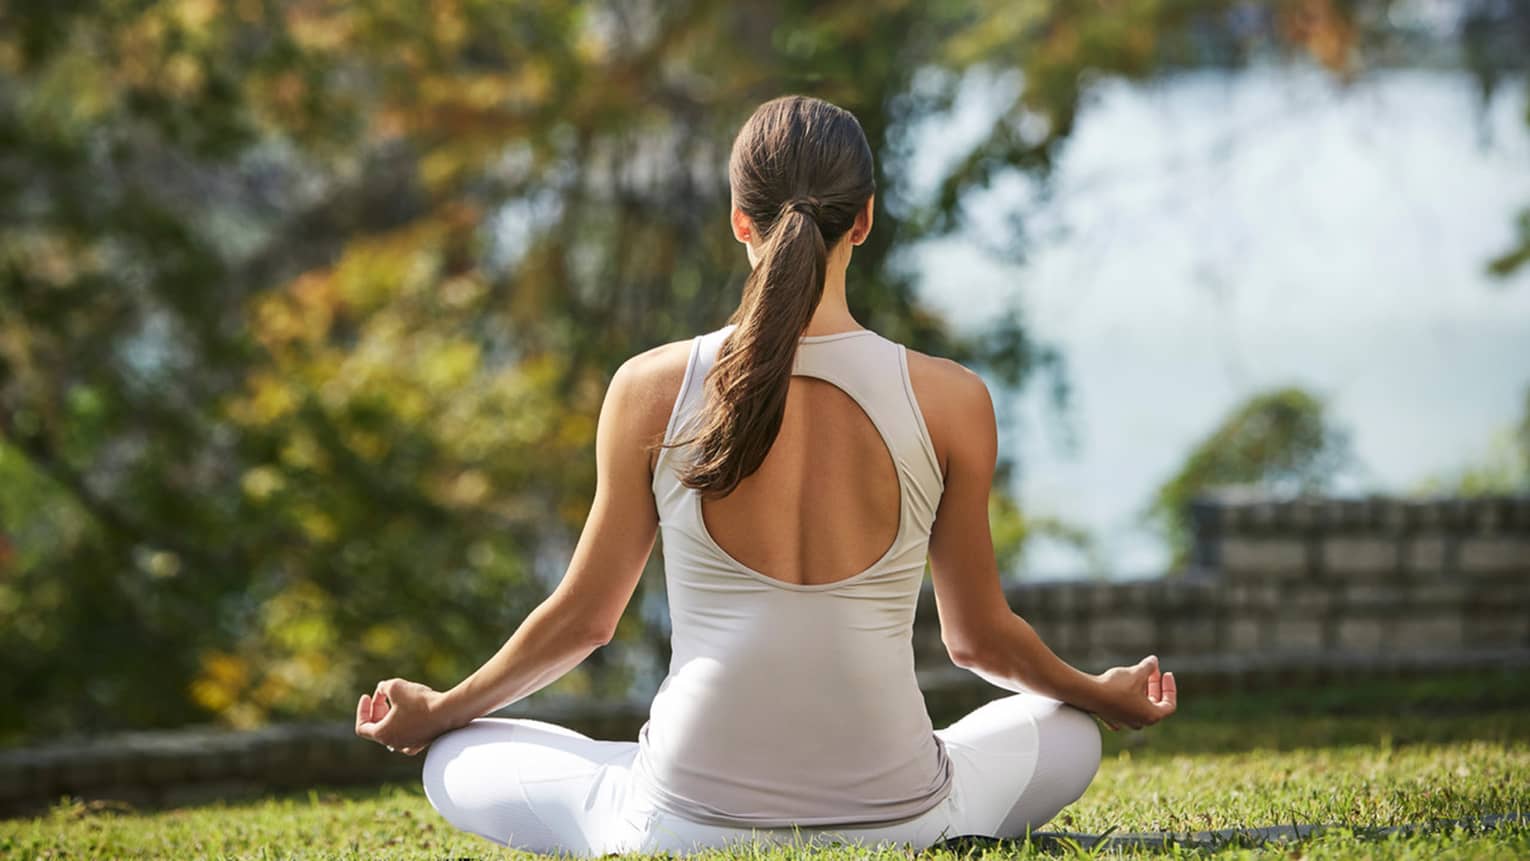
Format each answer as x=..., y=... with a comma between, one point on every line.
x=1305, y=514
x=1371, y=513
x=161, y=766
x=1436, y=594
x=1360, y=635
x=1375, y=595
x=1263, y=516
x=1359, y=556
x=1490, y=514
x=1104, y=597
x=1307, y=601
x=1244, y=634
x=1500, y=630
x=1298, y=634
x=1494, y=554
x=1124, y=634
x=1335, y=514
x=1190, y=636
x=1264, y=557
x=1428, y=633
x=1425, y=515
x=326, y=759
x=1519, y=516
x=1168, y=596
x=1425, y=554
x=1057, y=634
x=1456, y=512
x=1141, y=594
x=1067, y=600
x=1394, y=515
x=85, y=770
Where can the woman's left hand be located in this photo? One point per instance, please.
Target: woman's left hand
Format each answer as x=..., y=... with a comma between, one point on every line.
x=402, y=716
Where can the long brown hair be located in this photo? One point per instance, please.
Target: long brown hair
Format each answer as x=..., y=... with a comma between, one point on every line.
x=801, y=169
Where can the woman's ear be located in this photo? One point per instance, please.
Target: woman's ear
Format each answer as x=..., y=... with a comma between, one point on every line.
x=863, y=219
x=743, y=231
x=743, y=228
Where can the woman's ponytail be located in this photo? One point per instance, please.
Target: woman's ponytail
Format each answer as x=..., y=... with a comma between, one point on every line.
x=790, y=144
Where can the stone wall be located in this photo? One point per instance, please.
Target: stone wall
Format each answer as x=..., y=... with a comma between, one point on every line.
x=1280, y=592
x=1373, y=538
x=1304, y=588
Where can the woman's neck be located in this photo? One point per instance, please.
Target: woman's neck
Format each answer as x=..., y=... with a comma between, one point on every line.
x=832, y=314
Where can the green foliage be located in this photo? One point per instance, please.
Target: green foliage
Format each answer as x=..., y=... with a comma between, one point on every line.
x=1492, y=47
x=307, y=311
x=1516, y=256
x=1281, y=441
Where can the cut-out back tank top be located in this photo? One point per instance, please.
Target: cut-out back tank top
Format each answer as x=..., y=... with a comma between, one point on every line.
x=790, y=703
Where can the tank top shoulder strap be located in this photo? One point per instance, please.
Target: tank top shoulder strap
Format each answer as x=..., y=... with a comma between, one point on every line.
x=668, y=492
x=870, y=369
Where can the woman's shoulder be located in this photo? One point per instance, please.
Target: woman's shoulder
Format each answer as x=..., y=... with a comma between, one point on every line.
x=952, y=398
x=947, y=382
x=651, y=381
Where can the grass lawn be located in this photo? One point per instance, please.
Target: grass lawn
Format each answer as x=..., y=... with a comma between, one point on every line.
x=1362, y=757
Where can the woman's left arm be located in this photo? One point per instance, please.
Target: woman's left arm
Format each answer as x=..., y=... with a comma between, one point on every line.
x=579, y=616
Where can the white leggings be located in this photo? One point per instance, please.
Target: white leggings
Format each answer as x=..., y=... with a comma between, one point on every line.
x=532, y=785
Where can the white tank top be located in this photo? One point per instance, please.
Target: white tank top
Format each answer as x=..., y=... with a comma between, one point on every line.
x=789, y=703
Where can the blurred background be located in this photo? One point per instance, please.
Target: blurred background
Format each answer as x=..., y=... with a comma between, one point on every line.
x=307, y=308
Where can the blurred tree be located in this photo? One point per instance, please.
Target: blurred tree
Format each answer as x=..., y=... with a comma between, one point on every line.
x=1280, y=441
x=1495, y=42
x=307, y=308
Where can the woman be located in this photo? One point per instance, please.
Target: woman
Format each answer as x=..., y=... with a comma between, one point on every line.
x=802, y=469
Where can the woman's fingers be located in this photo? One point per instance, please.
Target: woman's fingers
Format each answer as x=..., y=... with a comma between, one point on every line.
x=1143, y=672
x=380, y=703
x=372, y=711
x=366, y=727
x=1154, y=684
x=1170, y=692
x=363, y=712
x=394, y=712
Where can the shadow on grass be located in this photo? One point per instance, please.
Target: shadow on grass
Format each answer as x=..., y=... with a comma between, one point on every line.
x=1283, y=836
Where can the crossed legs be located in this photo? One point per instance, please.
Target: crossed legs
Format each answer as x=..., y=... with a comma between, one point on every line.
x=532, y=785
x=1020, y=760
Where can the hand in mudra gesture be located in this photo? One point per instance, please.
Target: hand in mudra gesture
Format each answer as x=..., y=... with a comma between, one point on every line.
x=1136, y=696
x=401, y=715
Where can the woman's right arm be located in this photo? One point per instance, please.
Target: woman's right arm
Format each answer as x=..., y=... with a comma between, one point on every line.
x=980, y=631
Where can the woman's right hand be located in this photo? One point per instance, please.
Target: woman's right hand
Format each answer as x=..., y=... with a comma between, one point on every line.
x=1135, y=696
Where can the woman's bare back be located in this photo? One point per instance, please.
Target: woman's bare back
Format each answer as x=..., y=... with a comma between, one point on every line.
x=823, y=506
